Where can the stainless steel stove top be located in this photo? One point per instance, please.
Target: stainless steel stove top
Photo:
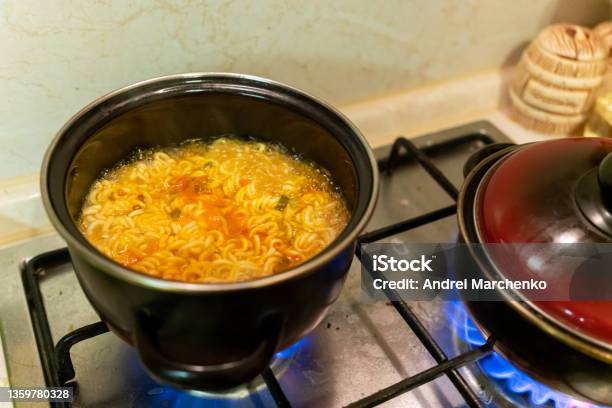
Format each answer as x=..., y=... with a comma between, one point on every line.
x=360, y=348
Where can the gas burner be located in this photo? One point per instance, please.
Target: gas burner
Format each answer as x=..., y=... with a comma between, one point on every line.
x=509, y=382
x=254, y=394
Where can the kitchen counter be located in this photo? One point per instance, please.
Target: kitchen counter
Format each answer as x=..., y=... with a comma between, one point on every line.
x=15, y=328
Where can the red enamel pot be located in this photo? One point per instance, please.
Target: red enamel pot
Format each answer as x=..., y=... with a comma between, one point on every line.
x=546, y=193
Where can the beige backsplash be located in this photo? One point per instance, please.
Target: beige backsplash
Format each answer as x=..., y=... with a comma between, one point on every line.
x=57, y=55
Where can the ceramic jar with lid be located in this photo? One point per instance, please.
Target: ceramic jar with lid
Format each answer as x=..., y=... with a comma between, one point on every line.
x=556, y=80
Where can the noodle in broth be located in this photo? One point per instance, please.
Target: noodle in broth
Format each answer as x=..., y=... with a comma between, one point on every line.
x=223, y=211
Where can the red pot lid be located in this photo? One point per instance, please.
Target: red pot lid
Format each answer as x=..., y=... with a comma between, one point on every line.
x=556, y=191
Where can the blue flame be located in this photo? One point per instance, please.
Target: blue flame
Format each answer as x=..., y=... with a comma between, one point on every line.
x=501, y=370
x=292, y=349
x=166, y=396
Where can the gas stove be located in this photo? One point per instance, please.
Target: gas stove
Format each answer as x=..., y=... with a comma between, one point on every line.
x=365, y=353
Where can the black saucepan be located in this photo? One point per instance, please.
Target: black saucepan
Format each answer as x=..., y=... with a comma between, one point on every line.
x=207, y=336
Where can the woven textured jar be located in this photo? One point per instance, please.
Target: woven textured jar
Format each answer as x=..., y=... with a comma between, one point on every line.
x=604, y=31
x=555, y=82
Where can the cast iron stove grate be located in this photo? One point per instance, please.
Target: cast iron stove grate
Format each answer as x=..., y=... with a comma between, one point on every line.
x=57, y=363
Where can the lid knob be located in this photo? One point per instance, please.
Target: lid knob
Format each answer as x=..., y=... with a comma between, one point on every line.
x=604, y=180
x=594, y=195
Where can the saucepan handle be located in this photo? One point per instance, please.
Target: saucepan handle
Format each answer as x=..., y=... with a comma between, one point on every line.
x=204, y=377
x=481, y=154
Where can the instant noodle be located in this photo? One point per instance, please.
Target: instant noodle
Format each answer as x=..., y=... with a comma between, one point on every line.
x=221, y=211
